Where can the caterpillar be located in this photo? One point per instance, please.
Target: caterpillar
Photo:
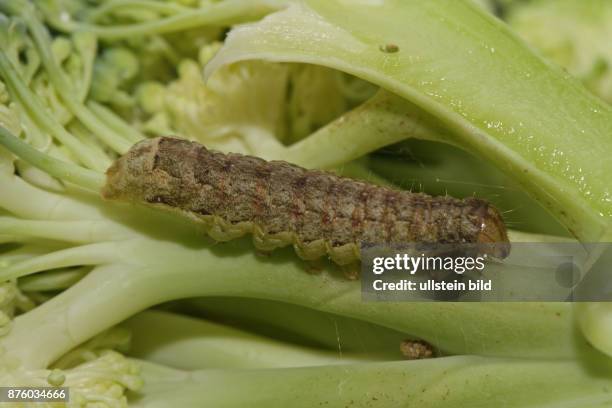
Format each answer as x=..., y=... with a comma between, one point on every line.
x=281, y=204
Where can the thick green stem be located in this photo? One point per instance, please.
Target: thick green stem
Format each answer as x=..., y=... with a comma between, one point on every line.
x=376, y=123
x=301, y=324
x=81, y=232
x=93, y=254
x=450, y=382
x=52, y=280
x=189, y=343
x=28, y=201
x=146, y=272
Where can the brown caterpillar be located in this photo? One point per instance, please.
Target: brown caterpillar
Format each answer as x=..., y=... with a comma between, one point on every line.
x=282, y=204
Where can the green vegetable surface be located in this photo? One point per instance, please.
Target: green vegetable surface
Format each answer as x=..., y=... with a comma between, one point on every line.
x=496, y=97
x=133, y=307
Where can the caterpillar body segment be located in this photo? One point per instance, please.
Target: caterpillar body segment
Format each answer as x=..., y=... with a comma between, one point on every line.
x=282, y=204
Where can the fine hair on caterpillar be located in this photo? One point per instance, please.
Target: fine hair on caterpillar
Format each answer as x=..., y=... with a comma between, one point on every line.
x=281, y=204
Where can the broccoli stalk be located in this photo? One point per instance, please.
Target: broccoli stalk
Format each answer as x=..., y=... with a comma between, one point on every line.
x=453, y=382
x=191, y=343
x=146, y=272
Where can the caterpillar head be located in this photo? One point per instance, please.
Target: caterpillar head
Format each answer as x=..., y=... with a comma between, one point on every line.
x=492, y=232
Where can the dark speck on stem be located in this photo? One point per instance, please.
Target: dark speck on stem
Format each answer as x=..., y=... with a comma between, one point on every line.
x=389, y=48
